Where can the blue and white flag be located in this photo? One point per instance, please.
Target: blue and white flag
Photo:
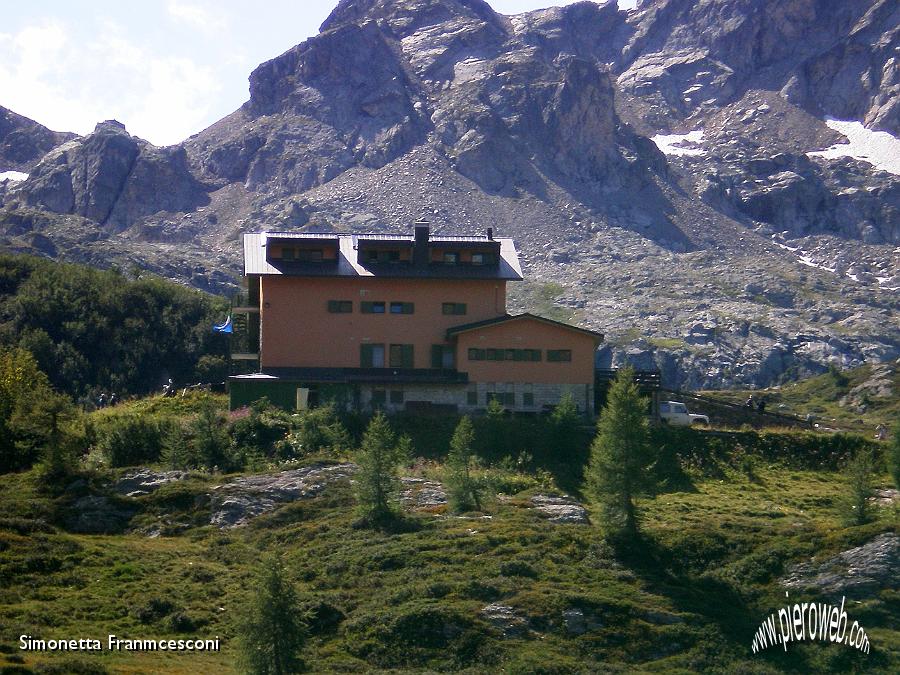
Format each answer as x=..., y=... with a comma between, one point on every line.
x=226, y=327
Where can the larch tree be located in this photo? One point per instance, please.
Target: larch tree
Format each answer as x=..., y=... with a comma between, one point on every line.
x=273, y=628
x=621, y=456
x=462, y=487
x=377, y=481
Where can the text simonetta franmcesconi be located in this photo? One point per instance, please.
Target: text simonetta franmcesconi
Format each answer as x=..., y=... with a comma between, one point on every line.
x=114, y=643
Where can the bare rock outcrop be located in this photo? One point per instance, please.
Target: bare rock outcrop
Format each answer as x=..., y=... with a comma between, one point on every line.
x=858, y=572
x=234, y=504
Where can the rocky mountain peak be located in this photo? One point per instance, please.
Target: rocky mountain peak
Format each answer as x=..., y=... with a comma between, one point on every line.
x=23, y=141
x=406, y=17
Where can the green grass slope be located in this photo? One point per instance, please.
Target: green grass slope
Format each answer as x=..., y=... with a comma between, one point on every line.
x=688, y=599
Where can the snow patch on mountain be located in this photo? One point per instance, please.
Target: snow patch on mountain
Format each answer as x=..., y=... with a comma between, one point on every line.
x=672, y=144
x=13, y=175
x=878, y=148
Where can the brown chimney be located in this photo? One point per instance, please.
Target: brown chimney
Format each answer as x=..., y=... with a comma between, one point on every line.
x=420, y=252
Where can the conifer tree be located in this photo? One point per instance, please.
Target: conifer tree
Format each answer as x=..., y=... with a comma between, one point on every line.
x=860, y=476
x=273, y=629
x=893, y=454
x=564, y=423
x=621, y=456
x=45, y=418
x=462, y=487
x=379, y=458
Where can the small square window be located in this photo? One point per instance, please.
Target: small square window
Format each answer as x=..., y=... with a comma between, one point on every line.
x=558, y=355
x=451, y=258
x=340, y=306
x=396, y=396
x=483, y=259
x=287, y=253
x=458, y=308
x=528, y=399
x=379, y=396
x=472, y=397
x=309, y=255
x=371, y=307
x=476, y=354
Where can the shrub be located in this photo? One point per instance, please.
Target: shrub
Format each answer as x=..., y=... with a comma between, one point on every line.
x=517, y=568
x=318, y=430
x=70, y=666
x=127, y=438
x=153, y=610
x=260, y=432
x=209, y=441
x=179, y=622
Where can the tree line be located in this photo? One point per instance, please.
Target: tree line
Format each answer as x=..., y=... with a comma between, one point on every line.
x=95, y=330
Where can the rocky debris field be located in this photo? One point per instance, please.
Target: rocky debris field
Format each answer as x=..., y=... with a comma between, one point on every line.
x=238, y=501
x=144, y=481
x=419, y=493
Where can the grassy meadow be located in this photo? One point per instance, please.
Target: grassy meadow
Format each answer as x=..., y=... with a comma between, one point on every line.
x=688, y=597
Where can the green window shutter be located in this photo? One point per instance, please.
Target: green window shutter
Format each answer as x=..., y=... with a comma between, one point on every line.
x=407, y=356
x=437, y=356
x=365, y=356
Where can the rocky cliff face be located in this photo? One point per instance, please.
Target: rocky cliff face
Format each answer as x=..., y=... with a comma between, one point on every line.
x=23, y=141
x=666, y=171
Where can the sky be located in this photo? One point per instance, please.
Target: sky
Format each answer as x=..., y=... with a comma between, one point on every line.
x=166, y=69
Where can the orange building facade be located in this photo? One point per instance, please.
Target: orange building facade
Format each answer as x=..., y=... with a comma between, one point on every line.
x=401, y=322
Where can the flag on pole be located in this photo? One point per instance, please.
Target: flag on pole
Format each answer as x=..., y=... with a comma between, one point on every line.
x=226, y=327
